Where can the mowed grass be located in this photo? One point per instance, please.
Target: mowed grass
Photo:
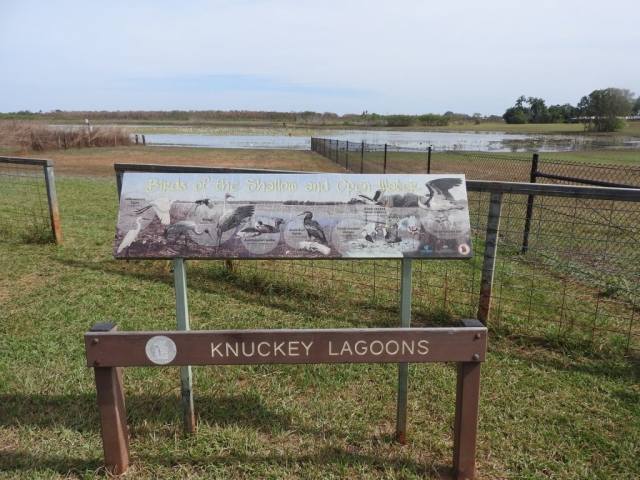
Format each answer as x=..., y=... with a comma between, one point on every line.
x=545, y=412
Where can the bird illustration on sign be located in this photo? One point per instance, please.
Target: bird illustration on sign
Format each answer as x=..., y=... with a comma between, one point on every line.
x=183, y=228
x=440, y=199
x=232, y=218
x=162, y=207
x=254, y=216
x=313, y=228
x=131, y=236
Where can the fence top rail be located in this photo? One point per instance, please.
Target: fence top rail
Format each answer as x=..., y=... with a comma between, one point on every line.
x=27, y=161
x=155, y=168
x=551, y=190
x=586, y=181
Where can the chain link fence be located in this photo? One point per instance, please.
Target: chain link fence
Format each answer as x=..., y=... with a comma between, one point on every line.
x=360, y=157
x=565, y=265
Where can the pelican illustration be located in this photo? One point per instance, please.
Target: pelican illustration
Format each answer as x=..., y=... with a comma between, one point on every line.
x=440, y=199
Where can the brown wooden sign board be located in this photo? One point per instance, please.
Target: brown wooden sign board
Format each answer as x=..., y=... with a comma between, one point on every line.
x=107, y=351
x=250, y=347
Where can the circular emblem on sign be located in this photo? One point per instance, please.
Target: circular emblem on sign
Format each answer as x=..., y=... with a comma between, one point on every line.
x=161, y=350
x=464, y=249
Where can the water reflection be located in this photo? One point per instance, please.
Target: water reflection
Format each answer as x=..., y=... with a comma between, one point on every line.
x=464, y=141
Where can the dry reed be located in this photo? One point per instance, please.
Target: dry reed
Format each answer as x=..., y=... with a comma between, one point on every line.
x=38, y=137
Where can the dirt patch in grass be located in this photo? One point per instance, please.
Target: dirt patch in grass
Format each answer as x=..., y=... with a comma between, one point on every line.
x=24, y=284
x=99, y=161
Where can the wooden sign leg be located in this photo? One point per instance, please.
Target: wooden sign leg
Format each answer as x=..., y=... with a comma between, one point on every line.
x=113, y=418
x=466, y=421
x=403, y=368
x=182, y=315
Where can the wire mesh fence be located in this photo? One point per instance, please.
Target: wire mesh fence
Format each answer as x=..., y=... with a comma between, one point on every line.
x=578, y=279
x=568, y=263
x=577, y=282
x=28, y=205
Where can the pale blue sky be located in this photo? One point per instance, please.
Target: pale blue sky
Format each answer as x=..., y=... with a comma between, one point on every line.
x=400, y=56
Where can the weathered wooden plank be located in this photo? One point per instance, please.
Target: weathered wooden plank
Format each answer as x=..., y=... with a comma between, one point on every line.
x=466, y=420
x=27, y=161
x=248, y=347
x=52, y=199
x=113, y=414
x=490, y=254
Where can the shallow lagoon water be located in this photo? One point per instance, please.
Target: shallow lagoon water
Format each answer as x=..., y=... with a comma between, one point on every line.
x=463, y=141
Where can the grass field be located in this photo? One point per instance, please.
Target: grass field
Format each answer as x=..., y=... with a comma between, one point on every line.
x=548, y=409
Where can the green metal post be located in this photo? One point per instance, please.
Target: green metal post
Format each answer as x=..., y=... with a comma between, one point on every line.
x=403, y=368
x=346, y=161
x=182, y=315
x=384, y=165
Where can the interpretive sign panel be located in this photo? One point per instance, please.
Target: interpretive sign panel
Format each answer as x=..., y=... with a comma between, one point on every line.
x=170, y=215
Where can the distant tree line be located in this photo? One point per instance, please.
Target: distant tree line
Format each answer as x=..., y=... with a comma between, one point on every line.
x=601, y=110
x=293, y=118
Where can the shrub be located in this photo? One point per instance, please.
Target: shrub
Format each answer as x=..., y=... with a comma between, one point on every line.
x=38, y=137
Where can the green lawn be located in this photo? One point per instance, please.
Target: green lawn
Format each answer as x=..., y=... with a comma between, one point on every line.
x=548, y=409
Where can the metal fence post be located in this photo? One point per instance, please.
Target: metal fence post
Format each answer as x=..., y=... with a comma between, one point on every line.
x=429, y=159
x=530, y=200
x=362, y=158
x=346, y=160
x=403, y=368
x=490, y=252
x=182, y=314
x=384, y=165
x=53, y=203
